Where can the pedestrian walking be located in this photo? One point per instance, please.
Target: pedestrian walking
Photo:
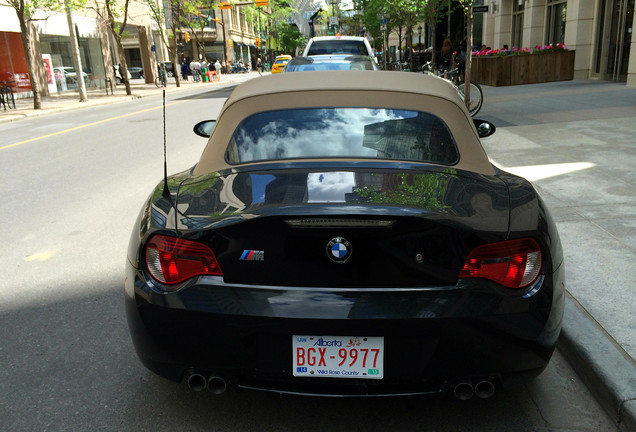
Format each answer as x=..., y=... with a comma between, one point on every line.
x=185, y=71
x=122, y=74
x=204, y=71
x=446, y=54
x=217, y=66
x=196, y=71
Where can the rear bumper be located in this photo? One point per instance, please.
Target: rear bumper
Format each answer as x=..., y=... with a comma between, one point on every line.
x=432, y=337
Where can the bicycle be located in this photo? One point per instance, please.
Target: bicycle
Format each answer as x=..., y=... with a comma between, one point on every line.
x=455, y=78
x=401, y=66
x=6, y=94
x=161, y=80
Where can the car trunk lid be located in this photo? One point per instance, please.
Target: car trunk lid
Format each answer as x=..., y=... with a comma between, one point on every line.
x=363, y=227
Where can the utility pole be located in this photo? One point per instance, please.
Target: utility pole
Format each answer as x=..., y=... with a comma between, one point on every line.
x=77, y=59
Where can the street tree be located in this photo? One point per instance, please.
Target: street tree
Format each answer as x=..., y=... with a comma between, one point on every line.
x=197, y=16
x=433, y=12
x=25, y=10
x=400, y=15
x=172, y=18
x=370, y=15
x=290, y=38
x=115, y=14
x=274, y=19
x=373, y=13
x=406, y=15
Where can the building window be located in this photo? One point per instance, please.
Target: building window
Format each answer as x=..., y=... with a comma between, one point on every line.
x=235, y=21
x=555, y=21
x=517, y=23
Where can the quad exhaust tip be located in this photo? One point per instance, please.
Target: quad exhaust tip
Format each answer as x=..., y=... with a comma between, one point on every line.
x=216, y=385
x=198, y=381
x=482, y=388
x=463, y=390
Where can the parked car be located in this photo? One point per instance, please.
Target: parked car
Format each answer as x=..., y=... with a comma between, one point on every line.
x=345, y=237
x=69, y=74
x=351, y=45
x=136, y=72
x=280, y=63
x=331, y=62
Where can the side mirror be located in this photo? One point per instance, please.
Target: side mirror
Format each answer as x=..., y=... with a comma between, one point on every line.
x=204, y=128
x=484, y=128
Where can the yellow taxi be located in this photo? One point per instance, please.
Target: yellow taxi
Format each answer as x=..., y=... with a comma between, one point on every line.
x=280, y=63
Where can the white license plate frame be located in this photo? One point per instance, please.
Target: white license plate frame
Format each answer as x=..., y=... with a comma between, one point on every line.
x=360, y=357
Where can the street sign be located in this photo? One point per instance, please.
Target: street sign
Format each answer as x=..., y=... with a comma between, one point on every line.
x=480, y=9
x=333, y=21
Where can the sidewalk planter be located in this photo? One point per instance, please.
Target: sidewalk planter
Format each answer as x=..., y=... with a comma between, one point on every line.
x=523, y=69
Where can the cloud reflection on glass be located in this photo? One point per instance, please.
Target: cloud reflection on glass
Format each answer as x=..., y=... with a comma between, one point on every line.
x=342, y=132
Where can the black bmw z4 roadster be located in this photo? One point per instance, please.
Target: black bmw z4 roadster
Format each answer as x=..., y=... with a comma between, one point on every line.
x=344, y=234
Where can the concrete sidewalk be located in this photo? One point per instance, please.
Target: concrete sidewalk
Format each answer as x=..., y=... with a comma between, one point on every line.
x=576, y=141
x=70, y=100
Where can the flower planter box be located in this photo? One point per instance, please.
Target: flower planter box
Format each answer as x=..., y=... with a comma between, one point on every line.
x=523, y=69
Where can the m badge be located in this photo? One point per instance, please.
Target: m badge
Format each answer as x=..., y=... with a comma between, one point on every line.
x=252, y=255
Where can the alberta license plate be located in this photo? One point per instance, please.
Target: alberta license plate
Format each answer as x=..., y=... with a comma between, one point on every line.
x=338, y=356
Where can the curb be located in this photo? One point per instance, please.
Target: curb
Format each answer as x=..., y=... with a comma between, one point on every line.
x=103, y=100
x=607, y=371
x=138, y=92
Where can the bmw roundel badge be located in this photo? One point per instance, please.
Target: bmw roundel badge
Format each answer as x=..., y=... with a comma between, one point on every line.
x=339, y=250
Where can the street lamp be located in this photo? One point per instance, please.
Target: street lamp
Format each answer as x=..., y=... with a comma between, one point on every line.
x=419, y=46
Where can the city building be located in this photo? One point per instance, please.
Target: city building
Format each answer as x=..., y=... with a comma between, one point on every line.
x=50, y=32
x=600, y=31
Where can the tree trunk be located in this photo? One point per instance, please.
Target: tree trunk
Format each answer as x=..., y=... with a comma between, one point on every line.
x=122, y=59
x=175, y=66
x=31, y=62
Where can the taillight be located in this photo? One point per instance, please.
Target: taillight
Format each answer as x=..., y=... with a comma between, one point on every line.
x=172, y=260
x=512, y=263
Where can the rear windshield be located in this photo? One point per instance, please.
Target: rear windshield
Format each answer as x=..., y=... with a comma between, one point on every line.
x=375, y=133
x=331, y=65
x=338, y=46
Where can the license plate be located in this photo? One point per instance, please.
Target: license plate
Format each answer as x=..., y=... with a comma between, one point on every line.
x=338, y=357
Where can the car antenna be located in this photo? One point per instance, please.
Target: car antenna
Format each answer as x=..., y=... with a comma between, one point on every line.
x=166, y=191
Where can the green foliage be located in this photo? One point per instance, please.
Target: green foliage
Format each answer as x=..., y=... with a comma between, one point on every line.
x=419, y=190
x=26, y=8
x=289, y=38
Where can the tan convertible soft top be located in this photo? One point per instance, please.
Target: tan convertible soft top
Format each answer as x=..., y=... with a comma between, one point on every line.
x=345, y=80
x=377, y=89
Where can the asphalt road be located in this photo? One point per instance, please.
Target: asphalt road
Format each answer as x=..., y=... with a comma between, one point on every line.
x=70, y=191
